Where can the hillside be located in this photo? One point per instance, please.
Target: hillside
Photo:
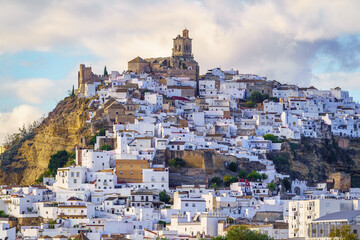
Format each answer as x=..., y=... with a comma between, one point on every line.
x=65, y=126
x=61, y=130
x=314, y=159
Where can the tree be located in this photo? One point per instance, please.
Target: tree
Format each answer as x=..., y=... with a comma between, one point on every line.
x=256, y=97
x=286, y=184
x=242, y=173
x=254, y=176
x=164, y=197
x=233, y=167
x=272, y=138
x=250, y=104
x=58, y=160
x=105, y=72
x=227, y=178
x=106, y=147
x=163, y=223
x=234, y=179
x=343, y=233
x=274, y=99
x=264, y=176
x=272, y=186
x=73, y=91
x=214, y=186
x=216, y=180
x=101, y=132
x=161, y=238
x=3, y=214
x=239, y=232
x=177, y=162
x=230, y=220
x=172, y=162
x=282, y=164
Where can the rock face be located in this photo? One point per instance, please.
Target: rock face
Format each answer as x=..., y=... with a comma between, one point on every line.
x=202, y=164
x=315, y=159
x=61, y=130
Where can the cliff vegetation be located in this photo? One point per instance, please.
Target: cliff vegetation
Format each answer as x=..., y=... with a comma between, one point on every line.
x=30, y=150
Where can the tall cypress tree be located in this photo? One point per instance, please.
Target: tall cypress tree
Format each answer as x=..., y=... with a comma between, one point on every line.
x=105, y=72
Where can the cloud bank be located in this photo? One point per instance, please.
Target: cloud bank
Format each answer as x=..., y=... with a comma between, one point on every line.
x=12, y=121
x=305, y=42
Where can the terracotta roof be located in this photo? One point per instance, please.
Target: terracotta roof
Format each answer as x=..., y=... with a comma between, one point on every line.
x=74, y=199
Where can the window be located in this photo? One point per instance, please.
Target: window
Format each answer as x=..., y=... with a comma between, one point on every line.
x=77, y=174
x=75, y=180
x=186, y=204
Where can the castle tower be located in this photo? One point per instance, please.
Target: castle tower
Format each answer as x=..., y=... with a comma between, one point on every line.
x=84, y=75
x=182, y=45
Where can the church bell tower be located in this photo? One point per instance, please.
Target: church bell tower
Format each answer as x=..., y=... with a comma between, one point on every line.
x=182, y=45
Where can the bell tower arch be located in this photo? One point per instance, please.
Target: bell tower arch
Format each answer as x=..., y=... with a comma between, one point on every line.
x=182, y=45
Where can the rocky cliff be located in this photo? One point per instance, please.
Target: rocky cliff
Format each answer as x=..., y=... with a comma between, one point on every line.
x=314, y=159
x=61, y=130
x=202, y=164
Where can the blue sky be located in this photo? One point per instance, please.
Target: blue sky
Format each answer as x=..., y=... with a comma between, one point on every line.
x=53, y=65
x=43, y=42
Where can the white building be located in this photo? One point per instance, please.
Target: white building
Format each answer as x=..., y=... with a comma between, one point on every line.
x=302, y=213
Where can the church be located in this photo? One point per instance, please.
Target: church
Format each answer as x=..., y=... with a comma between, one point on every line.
x=180, y=64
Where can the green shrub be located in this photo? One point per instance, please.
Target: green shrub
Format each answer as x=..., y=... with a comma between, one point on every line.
x=101, y=132
x=229, y=179
x=250, y=104
x=256, y=97
x=164, y=197
x=106, y=147
x=240, y=232
x=177, y=162
x=58, y=160
x=286, y=184
x=163, y=223
x=281, y=162
x=233, y=167
x=242, y=173
x=216, y=180
x=254, y=176
x=272, y=138
x=272, y=186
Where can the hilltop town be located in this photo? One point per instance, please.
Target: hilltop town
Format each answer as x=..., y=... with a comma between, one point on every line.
x=173, y=154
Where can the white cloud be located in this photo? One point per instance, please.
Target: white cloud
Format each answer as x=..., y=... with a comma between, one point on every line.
x=278, y=39
x=34, y=91
x=344, y=80
x=17, y=117
x=38, y=90
x=262, y=37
